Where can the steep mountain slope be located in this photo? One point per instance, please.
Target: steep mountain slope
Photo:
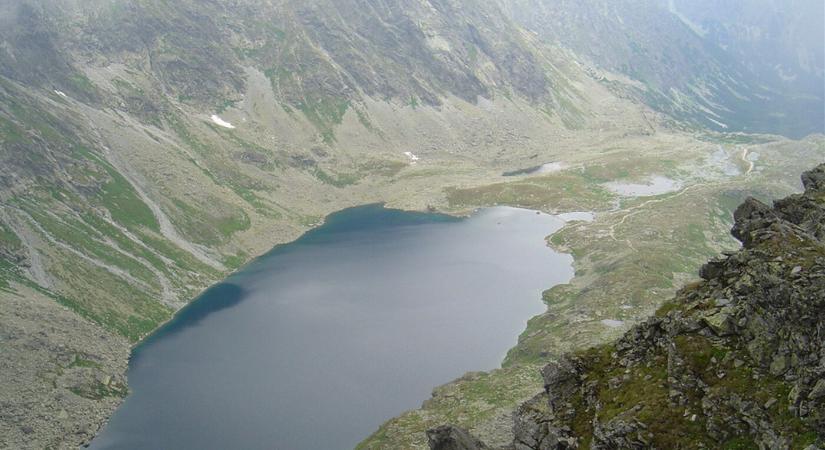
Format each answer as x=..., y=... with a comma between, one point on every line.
x=747, y=66
x=734, y=361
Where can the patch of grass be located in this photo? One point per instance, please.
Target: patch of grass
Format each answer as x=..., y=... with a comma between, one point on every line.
x=233, y=224
x=325, y=113
x=699, y=351
x=11, y=133
x=557, y=191
x=122, y=201
x=79, y=236
x=109, y=301
x=81, y=362
x=365, y=121
x=224, y=105
x=81, y=83
x=337, y=180
x=381, y=168
x=234, y=262
x=219, y=172
x=119, y=196
x=100, y=391
x=9, y=240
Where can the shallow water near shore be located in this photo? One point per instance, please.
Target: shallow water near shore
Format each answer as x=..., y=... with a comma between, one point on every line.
x=318, y=342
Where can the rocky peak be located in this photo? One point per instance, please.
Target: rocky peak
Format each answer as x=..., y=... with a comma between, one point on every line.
x=736, y=360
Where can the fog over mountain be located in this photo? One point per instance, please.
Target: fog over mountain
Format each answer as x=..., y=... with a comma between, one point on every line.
x=747, y=65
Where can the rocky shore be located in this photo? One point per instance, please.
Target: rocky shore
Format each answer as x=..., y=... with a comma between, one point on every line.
x=734, y=361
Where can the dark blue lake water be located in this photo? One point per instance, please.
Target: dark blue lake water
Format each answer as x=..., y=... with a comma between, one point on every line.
x=318, y=342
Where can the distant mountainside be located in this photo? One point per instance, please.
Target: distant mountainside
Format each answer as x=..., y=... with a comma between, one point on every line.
x=753, y=66
x=321, y=57
x=734, y=361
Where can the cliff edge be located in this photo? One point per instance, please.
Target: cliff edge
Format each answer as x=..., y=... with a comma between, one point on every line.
x=734, y=361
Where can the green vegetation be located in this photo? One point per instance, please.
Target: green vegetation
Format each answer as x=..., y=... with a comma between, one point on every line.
x=213, y=226
x=111, y=302
x=337, y=180
x=234, y=262
x=325, y=113
x=224, y=105
x=10, y=133
x=9, y=240
x=118, y=195
x=82, y=362
x=79, y=236
x=547, y=193
x=219, y=173
x=81, y=83
x=100, y=391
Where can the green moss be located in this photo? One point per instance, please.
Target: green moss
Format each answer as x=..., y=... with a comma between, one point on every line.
x=699, y=351
x=668, y=307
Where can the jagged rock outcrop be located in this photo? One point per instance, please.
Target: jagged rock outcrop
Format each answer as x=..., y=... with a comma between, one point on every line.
x=736, y=360
x=453, y=438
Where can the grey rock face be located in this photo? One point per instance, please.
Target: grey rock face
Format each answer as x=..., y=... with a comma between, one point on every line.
x=453, y=438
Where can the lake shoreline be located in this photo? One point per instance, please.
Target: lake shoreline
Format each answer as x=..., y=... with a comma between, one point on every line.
x=451, y=214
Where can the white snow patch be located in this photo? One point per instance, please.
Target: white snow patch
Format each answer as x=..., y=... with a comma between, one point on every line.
x=413, y=158
x=220, y=122
x=718, y=123
x=612, y=323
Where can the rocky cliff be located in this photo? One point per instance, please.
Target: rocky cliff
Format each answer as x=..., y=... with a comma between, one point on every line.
x=735, y=361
